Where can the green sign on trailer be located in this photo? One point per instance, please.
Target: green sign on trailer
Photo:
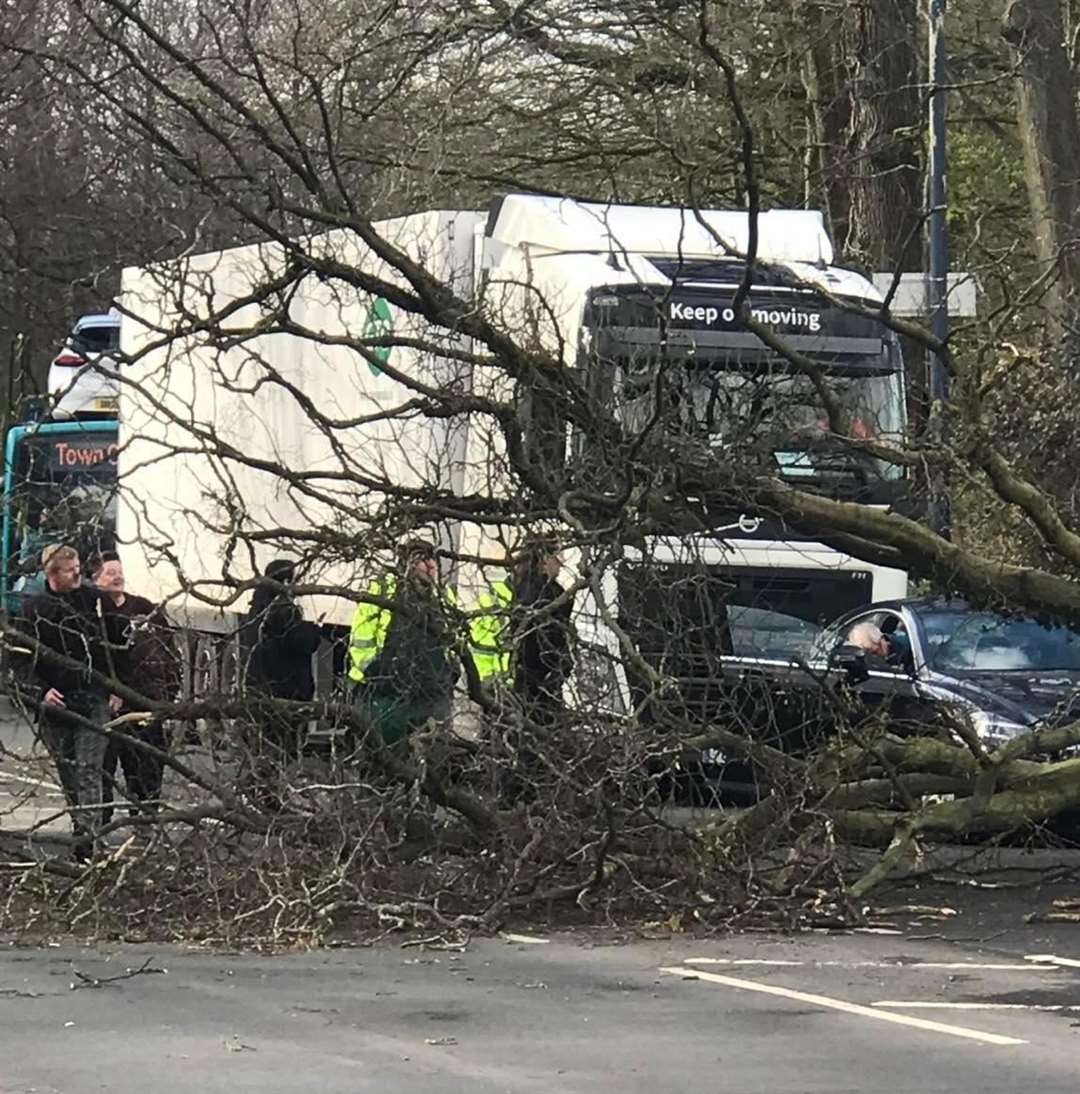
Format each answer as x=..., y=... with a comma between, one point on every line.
x=379, y=324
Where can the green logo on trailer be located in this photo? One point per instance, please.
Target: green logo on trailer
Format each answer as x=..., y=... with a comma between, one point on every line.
x=379, y=324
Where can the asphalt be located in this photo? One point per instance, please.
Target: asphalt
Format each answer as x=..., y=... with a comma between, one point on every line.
x=963, y=985
x=561, y=1015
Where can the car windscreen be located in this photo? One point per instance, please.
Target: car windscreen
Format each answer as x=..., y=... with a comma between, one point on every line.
x=986, y=642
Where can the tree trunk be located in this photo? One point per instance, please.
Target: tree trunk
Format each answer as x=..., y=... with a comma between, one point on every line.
x=828, y=118
x=885, y=173
x=1051, y=140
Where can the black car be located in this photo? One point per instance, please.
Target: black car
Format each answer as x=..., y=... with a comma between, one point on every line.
x=922, y=663
x=1005, y=673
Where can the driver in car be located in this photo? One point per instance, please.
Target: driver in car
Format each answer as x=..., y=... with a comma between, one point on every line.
x=894, y=648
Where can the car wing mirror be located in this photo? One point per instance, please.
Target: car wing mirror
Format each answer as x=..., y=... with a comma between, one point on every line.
x=852, y=661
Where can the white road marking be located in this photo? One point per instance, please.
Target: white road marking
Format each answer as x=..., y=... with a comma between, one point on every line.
x=843, y=1005
x=1051, y=959
x=739, y=961
x=871, y=964
x=919, y=1005
x=974, y=965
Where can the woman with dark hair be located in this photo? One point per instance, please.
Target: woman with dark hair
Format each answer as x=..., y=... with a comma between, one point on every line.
x=540, y=657
x=151, y=668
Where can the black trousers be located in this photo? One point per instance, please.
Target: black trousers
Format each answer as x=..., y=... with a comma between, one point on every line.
x=142, y=772
x=541, y=703
x=271, y=745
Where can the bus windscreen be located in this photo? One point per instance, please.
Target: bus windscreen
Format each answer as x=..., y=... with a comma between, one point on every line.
x=60, y=487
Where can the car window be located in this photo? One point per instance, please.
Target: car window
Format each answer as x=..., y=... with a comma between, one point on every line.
x=760, y=632
x=831, y=637
x=897, y=652
x=986, y=642
x=874, y=619
x=96, y=339
x=836, y=634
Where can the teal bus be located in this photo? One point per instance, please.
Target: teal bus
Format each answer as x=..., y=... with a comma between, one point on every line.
x=60, y=486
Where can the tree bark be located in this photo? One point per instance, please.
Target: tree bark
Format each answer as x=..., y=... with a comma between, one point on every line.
x=885, y=171
x=823, y=75
x=1050, y=134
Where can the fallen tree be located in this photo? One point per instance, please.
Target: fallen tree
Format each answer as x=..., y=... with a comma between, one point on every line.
x=271, y=127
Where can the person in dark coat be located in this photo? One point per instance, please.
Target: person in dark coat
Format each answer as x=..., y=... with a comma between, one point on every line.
x=69, y=618
x=540, y=629
x=279, y=644
x=280, y=641
x=152, y=669
x=541, y=657
x=412, y=677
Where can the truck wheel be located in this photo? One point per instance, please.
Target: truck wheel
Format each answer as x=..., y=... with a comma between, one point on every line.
x=230, y=674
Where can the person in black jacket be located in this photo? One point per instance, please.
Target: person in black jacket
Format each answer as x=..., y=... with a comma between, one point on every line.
x=152, y=668
x=541, y=657
x=69, y=619
x=280, y=644
x=540, y=629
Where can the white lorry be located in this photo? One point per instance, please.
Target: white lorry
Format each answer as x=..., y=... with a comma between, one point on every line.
x=233, y=441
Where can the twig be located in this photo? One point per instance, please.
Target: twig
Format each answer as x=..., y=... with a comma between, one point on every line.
x=437, y=942
x=85, y=981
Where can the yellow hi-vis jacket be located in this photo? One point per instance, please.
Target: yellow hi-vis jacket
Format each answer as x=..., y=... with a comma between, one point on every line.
x=370, y=623
x=489, y=632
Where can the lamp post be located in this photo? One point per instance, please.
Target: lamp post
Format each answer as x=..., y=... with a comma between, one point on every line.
x=938, y=264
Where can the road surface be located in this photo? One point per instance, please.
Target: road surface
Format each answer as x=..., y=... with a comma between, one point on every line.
x=813, y=1013
x=987, y=1000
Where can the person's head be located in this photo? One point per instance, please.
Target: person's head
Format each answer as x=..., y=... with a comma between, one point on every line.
x=107, y=573
x=868, y=636
x=418, y=561
x=281, y=570
x=61, y=566
x=538, y=556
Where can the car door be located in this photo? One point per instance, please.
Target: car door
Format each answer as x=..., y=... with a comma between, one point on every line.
x=888, y=691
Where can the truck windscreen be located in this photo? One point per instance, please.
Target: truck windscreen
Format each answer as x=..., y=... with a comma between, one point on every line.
x=681, y=360
x=772, y=407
